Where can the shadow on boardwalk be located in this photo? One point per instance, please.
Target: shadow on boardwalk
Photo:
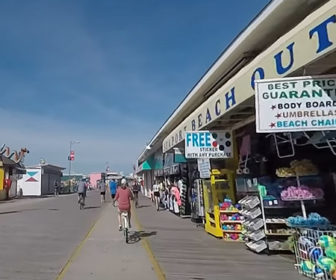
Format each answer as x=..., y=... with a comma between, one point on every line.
x=138, y=235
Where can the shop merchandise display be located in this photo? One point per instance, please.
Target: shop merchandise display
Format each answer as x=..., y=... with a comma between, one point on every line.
x=280, y=231
x=175, y=200
x=314, y=220
x=254, y=232
x=231, y=221
x=181, y=184
x=197, y=201
x=298, y=168
x=285, y=172
x=315, y=253
x=227, y=205
x=278, y=234
x=304, y=167
x=301, y=192
x=217, y=192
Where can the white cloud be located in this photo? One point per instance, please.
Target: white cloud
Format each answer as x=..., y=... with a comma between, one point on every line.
x=49, y=139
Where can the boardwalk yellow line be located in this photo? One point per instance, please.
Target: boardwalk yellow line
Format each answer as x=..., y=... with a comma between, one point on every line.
x=77, y=250
x=156, y=266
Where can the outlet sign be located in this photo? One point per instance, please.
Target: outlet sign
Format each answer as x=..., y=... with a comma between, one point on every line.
x=208, y=144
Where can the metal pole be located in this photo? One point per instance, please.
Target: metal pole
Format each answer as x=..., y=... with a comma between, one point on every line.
x=70, y=166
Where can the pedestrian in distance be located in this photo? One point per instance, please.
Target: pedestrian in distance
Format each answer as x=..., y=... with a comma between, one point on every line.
x=156, y=194
x=113, y=188
x=56, y=188
x=102, y=189
x=136, y=189
x=81, y=190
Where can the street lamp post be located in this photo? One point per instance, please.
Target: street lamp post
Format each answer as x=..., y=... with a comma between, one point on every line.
x=72, y=142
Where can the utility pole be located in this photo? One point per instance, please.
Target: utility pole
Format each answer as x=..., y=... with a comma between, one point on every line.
x=71, y=158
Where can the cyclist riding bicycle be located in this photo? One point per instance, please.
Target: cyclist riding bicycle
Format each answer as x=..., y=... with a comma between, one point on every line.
x=124, y=197
x=82, y=190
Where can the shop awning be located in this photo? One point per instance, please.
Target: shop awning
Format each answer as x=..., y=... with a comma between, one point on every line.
x=179, y=156
x=146, y=165
x=302, y=42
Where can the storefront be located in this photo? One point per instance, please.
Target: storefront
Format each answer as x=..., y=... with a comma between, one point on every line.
x=145, y=172
x=281, y=160
x=11, y=170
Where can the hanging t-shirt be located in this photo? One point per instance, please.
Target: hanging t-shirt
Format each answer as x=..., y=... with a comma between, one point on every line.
x=175, y=191
x=155, y=188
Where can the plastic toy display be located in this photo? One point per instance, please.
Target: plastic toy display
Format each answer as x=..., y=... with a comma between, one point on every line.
x=215, y=191
x=315, y=253
x=231, y=221
x=285, y=172
x=297, y=168
x=314, y=220
x=301, y=192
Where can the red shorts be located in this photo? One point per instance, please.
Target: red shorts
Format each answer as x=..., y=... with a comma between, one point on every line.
x=124, y=209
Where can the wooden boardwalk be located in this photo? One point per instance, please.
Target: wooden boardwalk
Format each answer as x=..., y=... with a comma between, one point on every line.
x=185, y=251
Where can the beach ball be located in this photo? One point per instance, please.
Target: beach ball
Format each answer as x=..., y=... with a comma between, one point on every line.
x=307, y=266
x=327, y=264
x=326, y=241
x=331, y=252
x=315, y=253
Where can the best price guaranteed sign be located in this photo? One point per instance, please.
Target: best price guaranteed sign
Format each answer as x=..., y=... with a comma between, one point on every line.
x=206, y=144
x=296, y=104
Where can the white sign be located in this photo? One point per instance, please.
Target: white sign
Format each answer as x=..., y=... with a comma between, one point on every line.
x=296, y=104
x=206, y=144
x=204, y=167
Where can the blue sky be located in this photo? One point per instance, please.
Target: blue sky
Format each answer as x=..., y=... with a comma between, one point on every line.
x=106, y=73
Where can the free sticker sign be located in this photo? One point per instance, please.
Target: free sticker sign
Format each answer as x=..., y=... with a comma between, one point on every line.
x=296, y=104
x=206, y=144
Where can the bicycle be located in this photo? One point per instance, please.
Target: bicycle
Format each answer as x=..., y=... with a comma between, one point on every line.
x=124, y=223
x=81, y=201
x=124, y=218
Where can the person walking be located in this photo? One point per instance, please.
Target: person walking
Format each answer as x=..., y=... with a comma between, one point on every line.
x=135, y=189
x=113, y=188
x=56, y=188
x=102, y=189
x=156, y=194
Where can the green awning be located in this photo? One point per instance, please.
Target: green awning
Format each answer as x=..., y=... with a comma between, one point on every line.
x=158, y=165
x=146, y=165
x=180, y=158
x=153, y=163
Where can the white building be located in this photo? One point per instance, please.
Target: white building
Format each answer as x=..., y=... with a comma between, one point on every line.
x=40, y=180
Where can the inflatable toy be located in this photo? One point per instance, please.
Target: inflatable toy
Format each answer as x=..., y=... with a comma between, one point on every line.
x=326, y=241
x=315, y=253
x=327, y=264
